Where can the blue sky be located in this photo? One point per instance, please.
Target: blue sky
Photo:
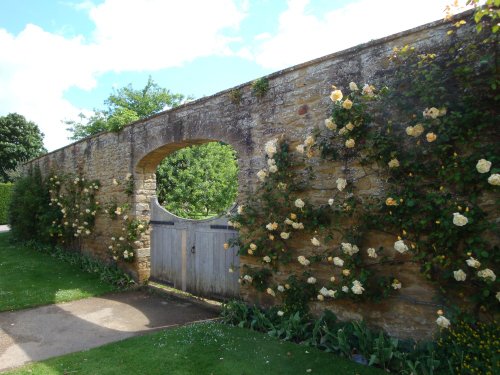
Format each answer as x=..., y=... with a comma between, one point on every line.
x=62, y=57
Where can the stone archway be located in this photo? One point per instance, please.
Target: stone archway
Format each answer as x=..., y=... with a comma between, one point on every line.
x=145, y=184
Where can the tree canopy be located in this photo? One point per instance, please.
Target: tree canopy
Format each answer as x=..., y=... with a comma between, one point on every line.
x=124, y=106
x=20, y=141
x=198, y=181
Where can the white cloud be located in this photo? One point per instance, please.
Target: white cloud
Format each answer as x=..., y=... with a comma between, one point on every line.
x=155, y=34
x=37, y=67
x=302, y=36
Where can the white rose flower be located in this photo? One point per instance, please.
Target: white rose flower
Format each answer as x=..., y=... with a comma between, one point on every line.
x=418, y=130
x=284, y=235
x=288, y=221
x=345, y=289
x=300, y=149
x=273, y=169
x=281, y=288
x=299, y=203
x=350, y=143
x=323, y=291
x=303, y=260
x=357, y=287
x=270, y=148
x=396, y=284
x=459, y=220
x=487, y=274
x=240, y=209
x=432, y=112
x=341, y=183
x=443, y=322
x=393, y=163
x=309, y=141
x=280, y=313
x=320, y=297
x=343, y=131
x=262, y=174
x=248, y=278
x=338, y=262
x=347, y=104
x=349, y=249
x=336, y=95
x=494, y=179
x=272, y=226
x=459, y=275
x=483, y=166
x=349, y=126
x=332, y=293
x=297, y=225
x=330, y=201
x=271, y=292
x=332, y=279
x=271, y=162
x=311, y=280
x=353, y=86
x=410, y=131
x=474, y=263
x=315, y=241
x=368, y=90
x=253, y=246
x=329, y=124
x=400, y=246
x=267, y=259
x=372, y=253
x=125, y=254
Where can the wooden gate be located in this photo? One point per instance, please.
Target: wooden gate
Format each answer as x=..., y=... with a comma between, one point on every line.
x=190, y=254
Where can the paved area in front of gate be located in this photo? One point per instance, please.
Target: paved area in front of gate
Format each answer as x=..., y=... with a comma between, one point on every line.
x=49, y=331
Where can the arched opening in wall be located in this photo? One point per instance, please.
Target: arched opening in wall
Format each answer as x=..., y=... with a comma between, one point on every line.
x=198, y=182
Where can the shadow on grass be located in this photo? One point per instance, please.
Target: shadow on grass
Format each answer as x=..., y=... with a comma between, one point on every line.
x=29, y=278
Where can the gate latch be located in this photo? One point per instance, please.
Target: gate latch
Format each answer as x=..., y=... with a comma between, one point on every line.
x=193, y=250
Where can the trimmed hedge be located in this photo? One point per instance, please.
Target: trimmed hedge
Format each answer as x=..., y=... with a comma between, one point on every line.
x=5, y=195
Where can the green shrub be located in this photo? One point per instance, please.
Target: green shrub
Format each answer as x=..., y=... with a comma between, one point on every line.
x=5, y=194
x=30, y=215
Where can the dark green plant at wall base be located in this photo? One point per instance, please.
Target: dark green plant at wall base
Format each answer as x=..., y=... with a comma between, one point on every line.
x=464, y=349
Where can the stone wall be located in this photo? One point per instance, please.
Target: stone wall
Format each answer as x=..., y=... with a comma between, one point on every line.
x=297, y=102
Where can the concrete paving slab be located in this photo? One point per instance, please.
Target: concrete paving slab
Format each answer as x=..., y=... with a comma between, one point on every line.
x=49, y=331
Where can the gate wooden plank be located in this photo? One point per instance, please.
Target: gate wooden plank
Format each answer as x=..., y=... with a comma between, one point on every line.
x=204, y=272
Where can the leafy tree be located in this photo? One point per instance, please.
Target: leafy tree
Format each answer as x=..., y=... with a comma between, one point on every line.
x=198, y=181
x=124, y=106
x=20, y=140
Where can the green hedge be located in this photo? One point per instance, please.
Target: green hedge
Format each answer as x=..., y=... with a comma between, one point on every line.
x=5, y=194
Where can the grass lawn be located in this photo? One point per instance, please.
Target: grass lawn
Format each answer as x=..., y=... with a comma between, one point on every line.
x=29, y=278
x=200, y=349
